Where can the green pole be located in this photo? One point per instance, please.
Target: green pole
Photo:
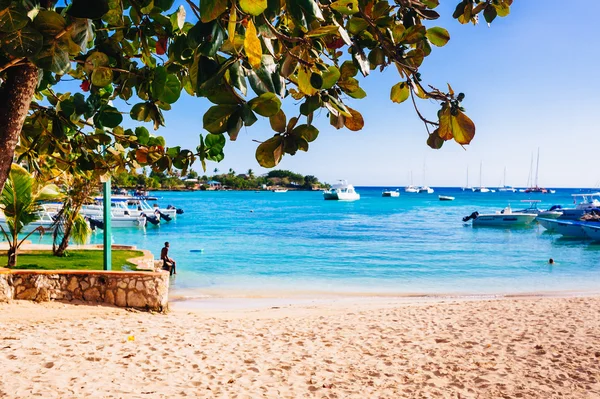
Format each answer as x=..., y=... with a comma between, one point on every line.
x=107, y=225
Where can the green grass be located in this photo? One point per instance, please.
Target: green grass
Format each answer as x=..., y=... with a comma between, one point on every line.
x=75, y=260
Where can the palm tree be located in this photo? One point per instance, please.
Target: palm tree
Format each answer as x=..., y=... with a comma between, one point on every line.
x=216, y=171
x=231, y=172
x=250, y=174
x=20, y=203
x=69, y=223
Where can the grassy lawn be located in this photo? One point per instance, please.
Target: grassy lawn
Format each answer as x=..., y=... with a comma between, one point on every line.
x=75, y=260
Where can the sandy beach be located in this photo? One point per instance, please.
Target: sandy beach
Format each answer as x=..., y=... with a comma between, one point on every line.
x=385, y=348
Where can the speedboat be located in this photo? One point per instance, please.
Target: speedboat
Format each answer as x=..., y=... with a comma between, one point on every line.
x=411, y=189
x=425, y=189
x=591, y=230
x=120, y=221
x=445, y=198
x=565, y=227
x=553, y=213
x=583, y=203
x=504, y=218
x=390, y=193
x=43, y=222
x=280, y=190
x=342, y=191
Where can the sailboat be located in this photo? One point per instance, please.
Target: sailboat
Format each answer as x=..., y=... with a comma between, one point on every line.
x=505, y=188
x=481, y=189
x=411, y=188
x=467, y=187
x=537, y=188
x=425, y=188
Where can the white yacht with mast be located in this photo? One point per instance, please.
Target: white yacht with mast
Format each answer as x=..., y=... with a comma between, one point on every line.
x=536, y=188
x=425, y=188
x=505, y=188
x=411, y=188
x=467, y=187
x=481, y=189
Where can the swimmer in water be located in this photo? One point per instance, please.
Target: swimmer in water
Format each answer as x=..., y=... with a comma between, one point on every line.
x=551, y=261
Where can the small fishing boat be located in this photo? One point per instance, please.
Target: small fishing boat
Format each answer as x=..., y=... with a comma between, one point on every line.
x=280, y=190
x=390, y=193
x=445, y=198
x=342, y=191
x=504, y=218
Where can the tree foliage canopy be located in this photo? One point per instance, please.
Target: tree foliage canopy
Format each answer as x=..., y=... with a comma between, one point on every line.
x=245, y=56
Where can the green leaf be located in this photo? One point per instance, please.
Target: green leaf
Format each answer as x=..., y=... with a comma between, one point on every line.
x=356, y=25
x=267, y=104
x=141, y=112
x=324, y=31
x=49, y=23
x=330, y=77
x=215, y=119
x=346, y=7
x=172, y=90
x=159, y=81
x=438, y=36
x=434, y=140
x=95, y=60
x=490, y=13
x=212, y=9
x=102, y=76
x=12, y=19
x=270, y=152
x=109, y=117
x=25, y=42
x=54, y=56
x=431, y=3
x=502, y=8
x=278, y=121
x=88, y=9
x=413, y=34
x=348, y=70
x=253, y=7
x=142, y=134
x=307, y=132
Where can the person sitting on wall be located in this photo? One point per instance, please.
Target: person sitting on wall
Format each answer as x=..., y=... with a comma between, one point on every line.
x=168, y=263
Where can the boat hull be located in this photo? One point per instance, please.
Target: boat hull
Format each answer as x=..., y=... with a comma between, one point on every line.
x=567, y=228
x=592, y=231
x=505, y=220
x=445, y=198
x=390, y=194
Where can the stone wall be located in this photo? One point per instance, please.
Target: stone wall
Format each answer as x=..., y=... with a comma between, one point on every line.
x=141, y=290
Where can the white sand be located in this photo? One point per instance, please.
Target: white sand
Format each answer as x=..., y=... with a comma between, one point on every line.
x=528, y=348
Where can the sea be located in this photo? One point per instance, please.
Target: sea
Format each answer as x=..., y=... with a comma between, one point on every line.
x=231, y=243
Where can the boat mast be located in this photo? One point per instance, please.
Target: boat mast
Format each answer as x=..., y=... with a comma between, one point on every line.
x=505, y=176
x=467, y=177
x=480, y=167
x=530, y=177
x=537, y=168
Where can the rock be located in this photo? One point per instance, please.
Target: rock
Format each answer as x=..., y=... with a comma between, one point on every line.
x=131, y=284
x=29, y=294
x=85, y=285
x=136, y=299
x=140, y=286
x=121, y=299
x=92, y=295
x=43, y=295
x=122, y=284
x=73, y=284
x=109, y=297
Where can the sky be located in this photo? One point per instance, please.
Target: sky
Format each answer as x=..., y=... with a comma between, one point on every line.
x=530, y=82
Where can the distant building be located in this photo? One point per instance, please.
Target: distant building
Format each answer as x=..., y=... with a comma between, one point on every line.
x=214, y=185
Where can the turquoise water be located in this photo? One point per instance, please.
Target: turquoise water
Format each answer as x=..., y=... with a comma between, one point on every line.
x=296, y=241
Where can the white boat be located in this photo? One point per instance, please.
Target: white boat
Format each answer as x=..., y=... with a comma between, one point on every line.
x=592, y=231
x=467, y=187
x=583, y=203
x=342, y=191
x=504, y=188
x=120, y=217
x=565, y=227
x=504, y=218
x=445, y=198
x=43, y=222
x=390, y=193
x=480, y=189
x=552, y=213
x=411, y=188
x=535, y=188
x=425, y=189
x=280, y=190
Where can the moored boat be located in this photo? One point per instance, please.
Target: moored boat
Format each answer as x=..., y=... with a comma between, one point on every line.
x=565, y=227
x=425, y=189
x=342, y=191
x=504, y=218
x=445, y=198
x=390, y=193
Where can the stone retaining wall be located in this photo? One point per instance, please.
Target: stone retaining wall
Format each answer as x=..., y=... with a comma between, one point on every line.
x=141, y=290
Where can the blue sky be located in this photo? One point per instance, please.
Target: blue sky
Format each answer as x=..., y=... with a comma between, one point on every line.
x=530, y=81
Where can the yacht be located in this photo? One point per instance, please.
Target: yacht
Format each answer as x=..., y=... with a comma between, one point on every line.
x=445, y=198
x=342, y=191
x=480, y=189
x=411, y=188
x=536, y=188
x=390, y=193
x=504, y=188
x=504, y=218
x=425, y=189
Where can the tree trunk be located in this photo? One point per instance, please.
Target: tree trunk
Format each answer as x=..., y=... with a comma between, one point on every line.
x=15, y=97
x=12, y=257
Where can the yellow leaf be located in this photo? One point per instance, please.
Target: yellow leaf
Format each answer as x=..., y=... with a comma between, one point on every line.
x=463, y=128
x=304, y=82
x=355, y=123
x=253, y=7
x=232, y=22
x=400, y=92
x=445, y=129
x=252, y=46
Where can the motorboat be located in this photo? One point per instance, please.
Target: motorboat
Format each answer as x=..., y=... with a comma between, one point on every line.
x=583, y=203
x=119, y=208
x=390, y=193
x=117, y=222
x=566, y=227
x=120, y=215
x=445, y=198
x=425, y=189
x=342, y=191
x=44, y=222
x=280, y=190
x=553, y=213
x=591, y=230
x=506, y=189
x=504, y=218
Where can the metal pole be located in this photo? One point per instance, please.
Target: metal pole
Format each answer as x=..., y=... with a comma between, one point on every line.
x=107, y=225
